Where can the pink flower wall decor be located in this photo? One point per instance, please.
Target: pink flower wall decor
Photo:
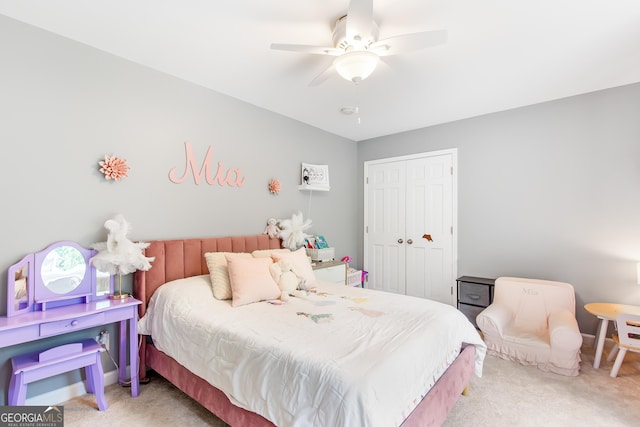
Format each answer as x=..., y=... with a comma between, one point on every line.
x=114, y=167
x=274, y=186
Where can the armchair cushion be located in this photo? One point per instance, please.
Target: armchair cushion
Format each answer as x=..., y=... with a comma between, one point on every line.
x=533, y=322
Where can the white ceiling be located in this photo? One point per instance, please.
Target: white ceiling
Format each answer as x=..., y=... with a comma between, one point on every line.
x=500, y=54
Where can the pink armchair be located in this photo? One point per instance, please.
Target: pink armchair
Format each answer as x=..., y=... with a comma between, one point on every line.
x=533, y=322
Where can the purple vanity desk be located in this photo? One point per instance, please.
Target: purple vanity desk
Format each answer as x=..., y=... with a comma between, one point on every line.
x=56, y=291
x=62, y=320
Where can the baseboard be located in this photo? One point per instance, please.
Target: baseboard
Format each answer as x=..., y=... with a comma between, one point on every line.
x=68, y=392
x=589, y=339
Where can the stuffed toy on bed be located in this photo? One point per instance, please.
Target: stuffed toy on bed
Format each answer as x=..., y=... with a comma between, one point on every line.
x=285, y=276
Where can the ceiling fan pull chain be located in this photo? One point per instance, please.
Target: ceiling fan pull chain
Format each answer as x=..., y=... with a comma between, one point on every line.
x=357, y=103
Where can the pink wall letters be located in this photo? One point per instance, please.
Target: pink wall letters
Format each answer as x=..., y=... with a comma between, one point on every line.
x=232, y=178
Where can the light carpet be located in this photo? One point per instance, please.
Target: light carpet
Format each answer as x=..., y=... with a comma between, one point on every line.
x=508, y=394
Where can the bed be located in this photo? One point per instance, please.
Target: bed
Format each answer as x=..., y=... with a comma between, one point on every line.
x=313, y=382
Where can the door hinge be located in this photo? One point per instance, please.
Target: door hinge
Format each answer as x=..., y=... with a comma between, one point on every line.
x=452, y=230
x=366, y=180
x=452, y=290
x=451, y=170
x=366, y=228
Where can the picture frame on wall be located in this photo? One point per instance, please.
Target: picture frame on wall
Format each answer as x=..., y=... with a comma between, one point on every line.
x=314, y=177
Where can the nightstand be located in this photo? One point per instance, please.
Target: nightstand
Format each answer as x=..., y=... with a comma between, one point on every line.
x=474, y=295
x=330, y=271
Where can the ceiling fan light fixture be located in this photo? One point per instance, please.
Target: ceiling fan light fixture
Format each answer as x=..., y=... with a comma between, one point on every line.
x=356, y=65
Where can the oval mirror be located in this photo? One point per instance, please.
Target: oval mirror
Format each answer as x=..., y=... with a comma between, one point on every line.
x=63, y=269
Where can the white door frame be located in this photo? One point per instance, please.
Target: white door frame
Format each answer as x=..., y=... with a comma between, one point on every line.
x=454, y=161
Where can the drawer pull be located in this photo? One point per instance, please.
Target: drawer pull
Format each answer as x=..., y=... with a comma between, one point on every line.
x=74, y=322
x=474, y=297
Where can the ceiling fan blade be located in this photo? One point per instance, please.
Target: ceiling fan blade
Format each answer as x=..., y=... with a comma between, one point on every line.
x=323, y=76
x=409, y=42
x=302, y=48
x=359, y=19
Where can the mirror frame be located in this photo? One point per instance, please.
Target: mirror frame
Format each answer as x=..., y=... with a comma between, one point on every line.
x=39, y=297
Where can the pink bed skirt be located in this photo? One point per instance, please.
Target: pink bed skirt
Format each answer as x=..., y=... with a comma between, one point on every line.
x=432, y=411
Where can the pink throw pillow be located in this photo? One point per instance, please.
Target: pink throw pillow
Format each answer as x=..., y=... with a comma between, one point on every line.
x=251, y=280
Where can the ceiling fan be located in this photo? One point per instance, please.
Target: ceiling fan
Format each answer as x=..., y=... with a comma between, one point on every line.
x=356, y=47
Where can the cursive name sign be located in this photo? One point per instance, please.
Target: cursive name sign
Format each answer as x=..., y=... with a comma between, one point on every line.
x=233, y=176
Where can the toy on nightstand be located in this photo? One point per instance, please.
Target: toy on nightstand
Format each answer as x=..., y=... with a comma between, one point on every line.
x=346, y=259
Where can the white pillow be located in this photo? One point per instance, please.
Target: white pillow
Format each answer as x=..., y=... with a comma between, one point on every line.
x=301, y=263
x=266, y=253
x=217, y=265
x=251, y=280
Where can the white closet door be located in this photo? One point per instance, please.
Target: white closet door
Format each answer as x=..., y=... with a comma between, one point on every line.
x=386, y=225
x=409, y=219
x=429, y=222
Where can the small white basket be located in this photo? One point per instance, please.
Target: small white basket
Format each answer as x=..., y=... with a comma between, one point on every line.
x=354, y=277
x=327, y=254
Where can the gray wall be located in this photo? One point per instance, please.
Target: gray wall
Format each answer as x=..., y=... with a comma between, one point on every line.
x=64, y=105
x=549, y=191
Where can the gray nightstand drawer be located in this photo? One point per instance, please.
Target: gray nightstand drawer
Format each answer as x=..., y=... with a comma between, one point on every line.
x=471, y=311
x=473, y=293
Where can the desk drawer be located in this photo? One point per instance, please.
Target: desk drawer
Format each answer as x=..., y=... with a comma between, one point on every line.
x=473, y=293
x=77, y=323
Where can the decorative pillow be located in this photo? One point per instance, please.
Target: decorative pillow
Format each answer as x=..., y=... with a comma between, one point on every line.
x=302, y=265
x=266, y=253
x=251, y=280
x=217, y=265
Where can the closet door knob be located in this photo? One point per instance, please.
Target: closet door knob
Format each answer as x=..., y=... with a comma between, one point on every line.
x=409, y=241
x=400, y=241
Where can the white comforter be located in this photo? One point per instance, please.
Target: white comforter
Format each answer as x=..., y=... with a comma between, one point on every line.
x=341, y=356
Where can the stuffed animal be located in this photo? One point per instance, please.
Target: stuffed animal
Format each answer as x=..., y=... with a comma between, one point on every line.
x=285, y=276
x=272, y=228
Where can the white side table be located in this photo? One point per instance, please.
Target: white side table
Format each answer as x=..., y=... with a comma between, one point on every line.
x=605, y=312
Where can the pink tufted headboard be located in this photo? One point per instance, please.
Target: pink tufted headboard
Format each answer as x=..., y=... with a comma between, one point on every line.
x=177, y=259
